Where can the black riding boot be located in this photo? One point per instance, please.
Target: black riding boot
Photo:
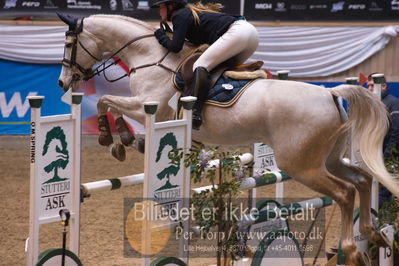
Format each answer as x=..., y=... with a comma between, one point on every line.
x=200, y=90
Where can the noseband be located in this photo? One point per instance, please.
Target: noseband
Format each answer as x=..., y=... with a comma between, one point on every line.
x=88, y=73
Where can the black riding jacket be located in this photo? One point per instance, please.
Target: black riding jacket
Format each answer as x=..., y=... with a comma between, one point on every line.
x=392, y=138
x=211, y=27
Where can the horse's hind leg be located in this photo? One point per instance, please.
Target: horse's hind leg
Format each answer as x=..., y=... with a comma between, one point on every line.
x=343, y=193
x=362, y=181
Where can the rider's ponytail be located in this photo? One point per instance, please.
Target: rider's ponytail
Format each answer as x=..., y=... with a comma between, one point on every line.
x=199, y=7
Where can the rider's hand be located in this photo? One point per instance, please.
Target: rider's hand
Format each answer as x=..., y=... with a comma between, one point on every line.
x=159, y=33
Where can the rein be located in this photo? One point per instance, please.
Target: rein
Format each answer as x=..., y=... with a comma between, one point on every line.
x=98, y=69
x=90, y=73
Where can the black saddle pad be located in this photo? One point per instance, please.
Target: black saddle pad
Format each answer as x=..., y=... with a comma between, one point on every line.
x=224, y=90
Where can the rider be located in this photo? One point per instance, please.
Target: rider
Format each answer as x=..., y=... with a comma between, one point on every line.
x=230, y=37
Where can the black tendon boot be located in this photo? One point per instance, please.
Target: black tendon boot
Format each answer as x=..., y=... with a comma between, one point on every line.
x=200, y=90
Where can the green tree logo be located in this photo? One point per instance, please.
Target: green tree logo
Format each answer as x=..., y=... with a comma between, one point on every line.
x=62, y=159
x=168, y=140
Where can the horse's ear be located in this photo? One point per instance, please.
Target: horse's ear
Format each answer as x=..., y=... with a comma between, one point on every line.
x=69, y=20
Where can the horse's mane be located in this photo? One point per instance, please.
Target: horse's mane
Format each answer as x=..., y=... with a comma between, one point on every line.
x=128, y=19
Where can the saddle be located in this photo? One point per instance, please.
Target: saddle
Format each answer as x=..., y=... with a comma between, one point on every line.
x=187, y=72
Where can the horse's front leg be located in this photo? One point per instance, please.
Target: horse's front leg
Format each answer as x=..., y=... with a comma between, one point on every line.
x=125, y=134
x=130, y=106
x=105, y=136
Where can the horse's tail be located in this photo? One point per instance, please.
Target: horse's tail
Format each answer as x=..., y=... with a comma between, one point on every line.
x=370, y=122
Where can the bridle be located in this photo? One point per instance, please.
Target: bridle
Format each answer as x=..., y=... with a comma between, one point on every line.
x=88, y=73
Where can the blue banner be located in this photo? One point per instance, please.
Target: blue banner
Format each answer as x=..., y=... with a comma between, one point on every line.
x=19, y=80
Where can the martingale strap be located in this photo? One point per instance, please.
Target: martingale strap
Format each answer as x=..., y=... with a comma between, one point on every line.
x=133, y=70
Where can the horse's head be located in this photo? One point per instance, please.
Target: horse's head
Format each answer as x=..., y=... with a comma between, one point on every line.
x=80, y=54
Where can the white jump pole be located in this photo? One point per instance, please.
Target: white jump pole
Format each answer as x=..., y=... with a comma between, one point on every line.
x=386, y=257
x=378, y=80
x=354, y=150
x=112, y=184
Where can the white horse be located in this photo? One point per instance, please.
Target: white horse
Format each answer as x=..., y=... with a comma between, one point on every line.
x=301, y=122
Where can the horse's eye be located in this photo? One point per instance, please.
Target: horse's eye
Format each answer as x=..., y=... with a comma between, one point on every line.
x=68, y=45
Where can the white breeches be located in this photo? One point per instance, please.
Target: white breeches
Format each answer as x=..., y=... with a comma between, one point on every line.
x=238, y=43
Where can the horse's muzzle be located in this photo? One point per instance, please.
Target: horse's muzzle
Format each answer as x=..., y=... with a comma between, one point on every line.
x=61, y=84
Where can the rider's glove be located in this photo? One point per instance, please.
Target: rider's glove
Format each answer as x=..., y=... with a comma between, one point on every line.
x=159, y=33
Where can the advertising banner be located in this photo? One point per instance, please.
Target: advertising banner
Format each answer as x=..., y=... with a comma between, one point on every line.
x=139, y=9
x=316, y=10
x=19, y=80
x=265, y=10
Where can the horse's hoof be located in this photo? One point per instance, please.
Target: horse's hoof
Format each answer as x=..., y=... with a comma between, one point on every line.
x=105, y=140
x=118, y=151
x=139, y=144
x=126, y=136
x=105, y=136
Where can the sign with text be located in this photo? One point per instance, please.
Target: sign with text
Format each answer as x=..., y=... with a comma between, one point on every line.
x=140, y=9
x=308, y=10
x=264, y=158
x=55, y=169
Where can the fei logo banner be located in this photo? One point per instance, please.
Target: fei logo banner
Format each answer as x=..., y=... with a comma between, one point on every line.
x=20, y=80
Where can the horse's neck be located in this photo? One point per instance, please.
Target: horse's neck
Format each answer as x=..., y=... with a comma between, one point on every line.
x=151, y=83
x=113, y=31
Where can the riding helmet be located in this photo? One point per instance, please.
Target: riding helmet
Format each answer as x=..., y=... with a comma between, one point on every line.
x=180, y=2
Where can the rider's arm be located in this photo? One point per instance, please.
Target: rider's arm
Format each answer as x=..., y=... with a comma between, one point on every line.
x=181, y=21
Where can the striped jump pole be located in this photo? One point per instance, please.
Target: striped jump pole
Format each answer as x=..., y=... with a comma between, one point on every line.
x=285, y=211
x=378, y=79
x=245, y=158
x=111, y=184
x=131, y=180
x=270, y=178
